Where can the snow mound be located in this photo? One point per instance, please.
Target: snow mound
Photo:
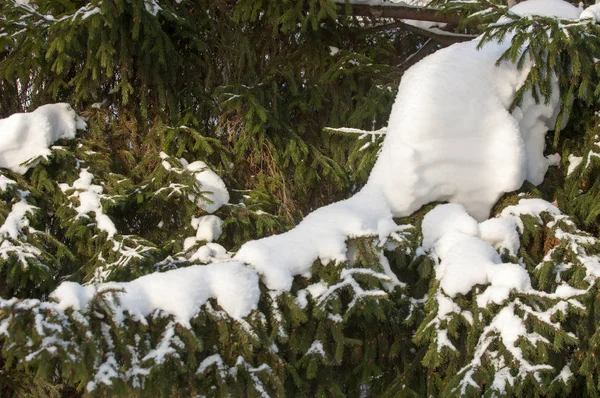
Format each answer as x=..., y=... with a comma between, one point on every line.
x=208, y=229
x=210, y=182
x=25, y=136
x=179, y=292
x=466, y=259
x=547, y=8
x=450, y=134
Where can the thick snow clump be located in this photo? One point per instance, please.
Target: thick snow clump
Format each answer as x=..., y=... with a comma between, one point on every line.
x=466, y=254
x=450, y=134
x=321, y=235
x=180, y=292
x=25, y=136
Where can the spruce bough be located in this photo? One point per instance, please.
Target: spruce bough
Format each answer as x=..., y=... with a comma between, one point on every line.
x=164, y=81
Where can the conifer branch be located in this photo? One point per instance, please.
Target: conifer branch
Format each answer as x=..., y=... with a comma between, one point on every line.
x=401, y=11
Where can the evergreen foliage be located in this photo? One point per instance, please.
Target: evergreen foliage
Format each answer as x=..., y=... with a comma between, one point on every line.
x=254, y=92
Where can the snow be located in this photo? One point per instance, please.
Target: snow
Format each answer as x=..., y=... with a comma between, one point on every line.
x=445, y=219
x=321, y=235
x=180, y=292
x=210, y=252
x=316, y=348
x=17, y=219
x=14, y=232
x=26, y=136
x=208, y=228
x=210, y=183
x=452, y=110
x=466, y=260
x=549, y=8
x=533, y=207
x=565, y=374
x=501, y=233
x=209, y=361
x=592, y=12
x=89, y=196
x=464, y=146
x=5, y=182
x=574, y=162
x=73, y=295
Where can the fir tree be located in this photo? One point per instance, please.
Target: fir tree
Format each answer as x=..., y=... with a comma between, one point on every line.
x=211, y=124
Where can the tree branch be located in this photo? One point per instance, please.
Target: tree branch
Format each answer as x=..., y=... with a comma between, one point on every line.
x=428, y=48
x=393, y=10
x=438, y=35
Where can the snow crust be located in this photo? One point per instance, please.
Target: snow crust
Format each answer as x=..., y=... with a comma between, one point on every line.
x=25, y=136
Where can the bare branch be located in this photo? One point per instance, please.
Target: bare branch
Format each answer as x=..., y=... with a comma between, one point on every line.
x=438, y=35
x=428, y=48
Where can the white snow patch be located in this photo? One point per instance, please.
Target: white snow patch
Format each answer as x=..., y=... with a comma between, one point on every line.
x=89, y=196
x=210, y=252
x=592, y=12
x=5, y=182
x=25, y=136
x=548, y=8
x=465, y=260
x=316, y=348
x=321, y=235
x=501, y=233
x=533, y=207
x=180, y=292
x=443, y=220
x=17, y=219
x=208, y=228
x=210, y=183
x=574, y=161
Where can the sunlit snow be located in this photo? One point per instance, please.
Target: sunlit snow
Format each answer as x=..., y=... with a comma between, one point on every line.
x=450, y=138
